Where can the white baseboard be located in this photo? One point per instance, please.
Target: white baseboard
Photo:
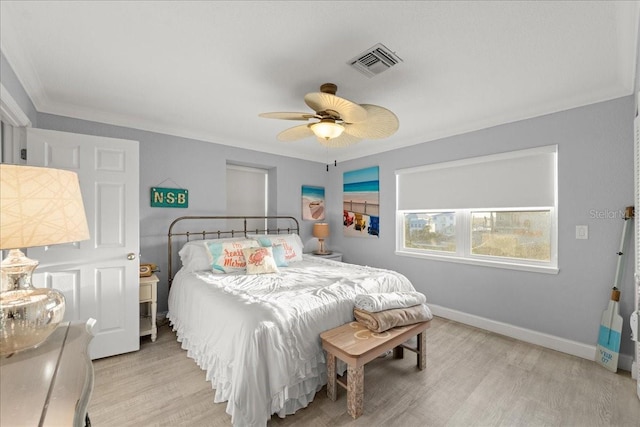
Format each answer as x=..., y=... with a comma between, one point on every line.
x=585, y=351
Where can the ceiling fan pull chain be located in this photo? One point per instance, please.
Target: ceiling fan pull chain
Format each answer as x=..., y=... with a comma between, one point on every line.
x=327, y=159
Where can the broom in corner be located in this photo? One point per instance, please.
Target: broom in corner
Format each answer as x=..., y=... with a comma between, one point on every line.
x=608, y=347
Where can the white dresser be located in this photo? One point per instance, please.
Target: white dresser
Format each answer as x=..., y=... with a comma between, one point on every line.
x=49, y=385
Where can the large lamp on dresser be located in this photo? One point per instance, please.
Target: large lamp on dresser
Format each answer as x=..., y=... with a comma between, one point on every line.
x=38, y=207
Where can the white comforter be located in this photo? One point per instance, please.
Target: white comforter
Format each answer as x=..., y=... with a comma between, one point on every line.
x=257, y=336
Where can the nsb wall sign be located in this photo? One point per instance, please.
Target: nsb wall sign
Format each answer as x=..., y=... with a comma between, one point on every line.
x=169, y=198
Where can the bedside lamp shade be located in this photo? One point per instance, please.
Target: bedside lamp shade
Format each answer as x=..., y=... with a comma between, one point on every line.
x=321, y=231
x=38, y=207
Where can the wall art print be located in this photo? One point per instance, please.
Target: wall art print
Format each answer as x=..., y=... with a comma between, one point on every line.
x=360, y=203
x=312, y=203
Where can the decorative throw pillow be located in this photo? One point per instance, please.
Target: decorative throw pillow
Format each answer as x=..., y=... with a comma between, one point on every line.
x=195, y=255
x=278, y=255
x=260, y=260
x=292, y=244
x=227, y=257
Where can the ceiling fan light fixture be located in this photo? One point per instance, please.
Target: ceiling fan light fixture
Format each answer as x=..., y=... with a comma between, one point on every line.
x=340, y=122
x=326, y=129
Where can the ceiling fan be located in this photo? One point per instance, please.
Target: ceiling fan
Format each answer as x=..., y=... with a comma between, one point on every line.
x=337, y=122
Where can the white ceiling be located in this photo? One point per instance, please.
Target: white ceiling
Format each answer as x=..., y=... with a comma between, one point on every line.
x=205, y=70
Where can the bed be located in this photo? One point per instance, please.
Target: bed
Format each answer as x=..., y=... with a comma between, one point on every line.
x=257, y=335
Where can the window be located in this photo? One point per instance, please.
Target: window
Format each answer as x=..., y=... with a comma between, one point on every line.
x=247, y=190
x=498, y=210
x=433, y=231
x=512, y=234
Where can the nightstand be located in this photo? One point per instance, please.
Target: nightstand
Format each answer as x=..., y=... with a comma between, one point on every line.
x=148, y=297
x=336, y=256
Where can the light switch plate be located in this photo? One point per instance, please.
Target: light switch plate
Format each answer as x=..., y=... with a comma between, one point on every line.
x=582, y=231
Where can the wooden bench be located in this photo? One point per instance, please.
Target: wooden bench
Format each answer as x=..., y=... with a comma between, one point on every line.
x=356, y=345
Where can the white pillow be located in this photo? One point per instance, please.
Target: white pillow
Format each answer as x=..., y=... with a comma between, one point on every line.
x=260, y=260
x=195, y=255
x=293, y=247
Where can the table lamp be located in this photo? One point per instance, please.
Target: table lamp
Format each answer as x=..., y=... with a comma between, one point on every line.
x=38, y=207
x=321, y=231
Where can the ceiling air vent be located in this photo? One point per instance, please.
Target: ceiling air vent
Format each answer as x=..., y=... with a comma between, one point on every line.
x=374, y=60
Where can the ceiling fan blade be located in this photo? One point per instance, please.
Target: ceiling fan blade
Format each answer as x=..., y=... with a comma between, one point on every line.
x=349, y=112
x=380, y=123
x=288, y=116
x=343, y=140
x=295, y=133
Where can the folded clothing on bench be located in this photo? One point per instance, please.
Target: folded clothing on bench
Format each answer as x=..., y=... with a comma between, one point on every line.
x=382, y=320
x=386, y=301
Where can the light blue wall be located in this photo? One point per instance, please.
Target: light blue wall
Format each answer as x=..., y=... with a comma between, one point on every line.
x=595, y=162
x=199, y=167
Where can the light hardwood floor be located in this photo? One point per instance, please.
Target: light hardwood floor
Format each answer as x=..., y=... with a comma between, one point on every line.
x=473, y=378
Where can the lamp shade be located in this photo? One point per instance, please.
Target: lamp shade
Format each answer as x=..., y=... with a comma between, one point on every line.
x=321, y=230
x=327, y=129
x=40, y=206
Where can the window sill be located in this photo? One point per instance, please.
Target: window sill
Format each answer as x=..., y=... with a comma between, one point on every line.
x=482, y=262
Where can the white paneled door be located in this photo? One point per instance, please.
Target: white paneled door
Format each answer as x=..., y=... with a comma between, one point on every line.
x=99, y=277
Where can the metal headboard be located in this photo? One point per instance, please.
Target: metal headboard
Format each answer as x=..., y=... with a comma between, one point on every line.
x=234, y=232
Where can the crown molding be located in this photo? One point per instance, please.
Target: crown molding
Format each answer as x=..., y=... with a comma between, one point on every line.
x=10, y=111
x=23, y=66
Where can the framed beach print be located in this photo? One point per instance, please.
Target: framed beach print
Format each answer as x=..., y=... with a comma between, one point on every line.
x=312, y=203
x=360, y=203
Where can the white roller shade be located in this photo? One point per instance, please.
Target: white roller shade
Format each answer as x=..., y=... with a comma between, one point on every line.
x=525, y=178
x=246, y=191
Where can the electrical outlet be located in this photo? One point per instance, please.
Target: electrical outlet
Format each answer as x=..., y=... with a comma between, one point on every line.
x=582, y=231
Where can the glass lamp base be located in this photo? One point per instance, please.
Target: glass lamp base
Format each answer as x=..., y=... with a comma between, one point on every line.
x=28, y=315
x=321, y=249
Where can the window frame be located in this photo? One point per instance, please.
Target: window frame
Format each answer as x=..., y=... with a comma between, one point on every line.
x=463, y=253
x=463, y=227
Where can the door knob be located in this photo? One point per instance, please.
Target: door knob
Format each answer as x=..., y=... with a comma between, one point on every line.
x=131, y=256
